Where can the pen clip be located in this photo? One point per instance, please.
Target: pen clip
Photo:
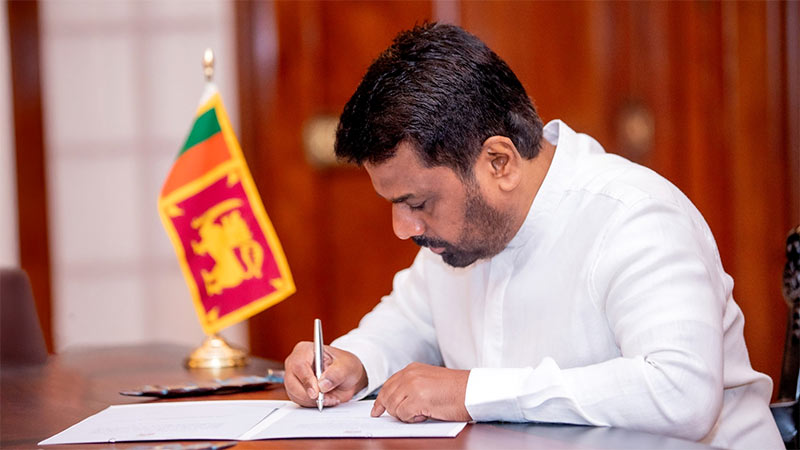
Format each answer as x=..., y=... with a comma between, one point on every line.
x=318, y=356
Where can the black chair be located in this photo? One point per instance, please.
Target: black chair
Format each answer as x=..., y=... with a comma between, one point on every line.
x=786, y=410
x=21, y=338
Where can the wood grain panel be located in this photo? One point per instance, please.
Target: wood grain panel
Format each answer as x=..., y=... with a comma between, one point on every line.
x=790, y=17
x=34, y=247
x=554, y=50
x=707, y=168
x=759, y=217
x=278, y=50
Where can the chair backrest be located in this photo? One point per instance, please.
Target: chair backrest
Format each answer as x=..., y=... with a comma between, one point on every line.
x=789, y=387
x=21, y=338
x=787, y=411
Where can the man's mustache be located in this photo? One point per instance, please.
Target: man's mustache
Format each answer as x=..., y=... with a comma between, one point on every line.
x=423, y=241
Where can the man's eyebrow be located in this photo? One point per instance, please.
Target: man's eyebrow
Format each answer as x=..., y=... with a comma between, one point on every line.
x=401, y=199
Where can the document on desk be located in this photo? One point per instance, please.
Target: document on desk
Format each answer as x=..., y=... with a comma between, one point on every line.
x=350, y=419
x=242, y=420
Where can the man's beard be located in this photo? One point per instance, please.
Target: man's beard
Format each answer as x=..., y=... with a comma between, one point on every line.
x=486, y=233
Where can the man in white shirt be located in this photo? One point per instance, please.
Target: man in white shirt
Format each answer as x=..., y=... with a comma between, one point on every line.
x=556, y=283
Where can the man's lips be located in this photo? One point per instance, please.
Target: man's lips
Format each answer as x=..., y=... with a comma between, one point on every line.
x=437, y=250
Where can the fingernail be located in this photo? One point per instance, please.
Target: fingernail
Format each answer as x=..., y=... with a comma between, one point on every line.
x=325, y=385
x=311, y=393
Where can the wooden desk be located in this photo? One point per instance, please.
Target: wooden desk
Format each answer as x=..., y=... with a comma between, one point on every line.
x=40, y=401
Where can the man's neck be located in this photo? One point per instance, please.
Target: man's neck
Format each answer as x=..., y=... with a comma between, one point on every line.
x=535, y=171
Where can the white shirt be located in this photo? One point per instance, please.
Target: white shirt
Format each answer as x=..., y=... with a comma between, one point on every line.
x=609, y=307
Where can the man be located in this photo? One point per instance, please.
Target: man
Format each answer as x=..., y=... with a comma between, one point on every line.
x=556, y=283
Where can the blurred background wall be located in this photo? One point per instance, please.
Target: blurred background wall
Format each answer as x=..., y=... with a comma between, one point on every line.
x=8, y=200
x=705, y=93
x=119, y=81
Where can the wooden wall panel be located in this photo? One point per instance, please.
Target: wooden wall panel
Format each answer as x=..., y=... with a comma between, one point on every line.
x=760, y=214
x=790, y=18
x=34, y=247
x=554, y=50
x=278, y=92
x=704, y=147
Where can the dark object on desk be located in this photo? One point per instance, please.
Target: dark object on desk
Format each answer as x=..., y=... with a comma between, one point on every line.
x=21, y=338
x=216, y=387
x=785, y=410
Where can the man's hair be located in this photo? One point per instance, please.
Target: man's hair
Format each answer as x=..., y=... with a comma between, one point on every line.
x=443, y=91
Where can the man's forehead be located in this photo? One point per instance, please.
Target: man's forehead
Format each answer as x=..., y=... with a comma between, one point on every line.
x=404, y=175
x=404, y=156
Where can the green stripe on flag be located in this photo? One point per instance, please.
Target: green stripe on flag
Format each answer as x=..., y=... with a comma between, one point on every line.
x=204, y=127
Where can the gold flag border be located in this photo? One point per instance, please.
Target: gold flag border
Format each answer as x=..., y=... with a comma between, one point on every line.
x=285, y=284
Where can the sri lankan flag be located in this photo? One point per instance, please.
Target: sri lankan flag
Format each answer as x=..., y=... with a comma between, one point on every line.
x=225, y=243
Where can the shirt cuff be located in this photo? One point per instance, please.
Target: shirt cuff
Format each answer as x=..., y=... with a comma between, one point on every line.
x=375, y=364
x=492, y=394
x=506, y=394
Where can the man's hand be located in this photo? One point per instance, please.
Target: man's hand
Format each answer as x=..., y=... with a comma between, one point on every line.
x=421, y=391
x=342, y=376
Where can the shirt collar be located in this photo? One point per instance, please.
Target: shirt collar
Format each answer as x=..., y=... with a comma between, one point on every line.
x=555, y=181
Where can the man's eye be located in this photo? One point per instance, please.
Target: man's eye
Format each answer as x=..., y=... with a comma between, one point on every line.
x=417, y=207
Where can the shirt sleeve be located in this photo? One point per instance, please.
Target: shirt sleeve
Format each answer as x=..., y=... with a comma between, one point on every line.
x=397, y=332
x=657, y=278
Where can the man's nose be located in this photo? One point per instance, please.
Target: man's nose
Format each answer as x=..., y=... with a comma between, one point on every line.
x=405, y=223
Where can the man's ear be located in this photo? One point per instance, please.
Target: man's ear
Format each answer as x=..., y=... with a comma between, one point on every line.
x=500, y=163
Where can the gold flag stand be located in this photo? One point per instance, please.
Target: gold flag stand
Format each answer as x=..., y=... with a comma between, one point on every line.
x=215, y=353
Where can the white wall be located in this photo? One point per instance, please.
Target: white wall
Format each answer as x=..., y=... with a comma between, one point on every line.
x=9, y=246
x=121, y=81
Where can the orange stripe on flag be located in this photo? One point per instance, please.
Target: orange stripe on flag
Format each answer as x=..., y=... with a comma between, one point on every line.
x=196, y=161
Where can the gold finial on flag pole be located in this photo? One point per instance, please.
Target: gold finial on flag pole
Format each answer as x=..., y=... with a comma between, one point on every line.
x=208, y=64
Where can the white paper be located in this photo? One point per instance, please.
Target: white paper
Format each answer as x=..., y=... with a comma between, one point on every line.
x=168, y=421
x=241, y=420
x=345, y=420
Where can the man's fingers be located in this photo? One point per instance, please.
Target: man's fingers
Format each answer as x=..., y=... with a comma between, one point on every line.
x=342, y=377
x=309, y=381
x=299, y=370
x=377, y=409
x=334, y=376
x=392, y=400
x=409, y=411
x=297, y=392
x=383, y=400
x=380, y=406
x=331, y=400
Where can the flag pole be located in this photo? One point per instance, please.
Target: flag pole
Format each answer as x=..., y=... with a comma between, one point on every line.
x=214, y=352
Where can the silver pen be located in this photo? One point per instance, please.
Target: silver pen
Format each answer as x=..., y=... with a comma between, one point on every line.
x=318, y=358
